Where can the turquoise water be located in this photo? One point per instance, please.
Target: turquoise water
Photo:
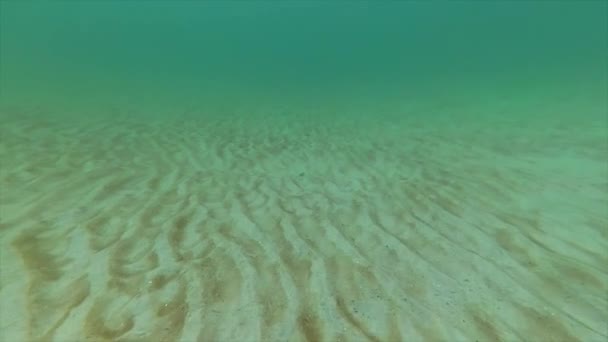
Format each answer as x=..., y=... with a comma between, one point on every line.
x=161, y=53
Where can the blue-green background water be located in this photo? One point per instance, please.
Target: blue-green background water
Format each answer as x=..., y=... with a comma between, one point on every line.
x=160, y=54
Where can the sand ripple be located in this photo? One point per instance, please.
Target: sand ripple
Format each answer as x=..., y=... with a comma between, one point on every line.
x=270, y=229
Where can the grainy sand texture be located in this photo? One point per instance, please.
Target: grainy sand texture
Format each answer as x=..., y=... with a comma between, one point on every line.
x=295, y=227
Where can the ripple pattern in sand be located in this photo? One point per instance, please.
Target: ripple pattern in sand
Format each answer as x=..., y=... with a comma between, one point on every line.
x=237, y=229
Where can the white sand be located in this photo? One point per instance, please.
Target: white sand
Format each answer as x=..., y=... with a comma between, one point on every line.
x=268, y=229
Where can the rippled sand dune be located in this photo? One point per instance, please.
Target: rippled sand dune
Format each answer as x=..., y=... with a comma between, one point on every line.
x=294, y=228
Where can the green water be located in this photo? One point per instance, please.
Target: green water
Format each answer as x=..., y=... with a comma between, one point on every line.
x=158, y=55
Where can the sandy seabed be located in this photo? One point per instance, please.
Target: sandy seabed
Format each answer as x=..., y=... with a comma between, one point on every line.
x=287, y=228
